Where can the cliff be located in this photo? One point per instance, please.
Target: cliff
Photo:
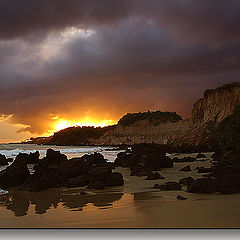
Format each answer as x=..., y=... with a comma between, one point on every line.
x=143, y=131
x=209, y=115
x=216, y=104
x=215, y=123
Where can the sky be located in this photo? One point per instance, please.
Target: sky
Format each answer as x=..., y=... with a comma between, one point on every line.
x=71, y=62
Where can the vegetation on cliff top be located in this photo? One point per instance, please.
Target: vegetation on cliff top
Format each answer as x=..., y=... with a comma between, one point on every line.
x=77, y=135
x=226, y=136
x=225, y=87
x=154, y=117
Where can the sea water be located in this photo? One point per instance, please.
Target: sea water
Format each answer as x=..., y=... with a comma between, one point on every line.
x=12, y=150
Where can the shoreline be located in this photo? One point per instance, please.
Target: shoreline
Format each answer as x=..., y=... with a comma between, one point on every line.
x=134, y=205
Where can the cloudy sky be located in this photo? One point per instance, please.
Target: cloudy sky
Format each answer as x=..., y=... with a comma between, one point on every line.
x=65, y=62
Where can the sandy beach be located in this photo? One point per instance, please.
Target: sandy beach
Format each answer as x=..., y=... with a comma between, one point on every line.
x=136, y=204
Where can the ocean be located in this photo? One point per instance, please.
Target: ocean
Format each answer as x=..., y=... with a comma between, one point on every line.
x=12, y=150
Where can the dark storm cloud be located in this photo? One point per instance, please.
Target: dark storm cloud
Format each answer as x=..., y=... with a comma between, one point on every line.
x=140, y=55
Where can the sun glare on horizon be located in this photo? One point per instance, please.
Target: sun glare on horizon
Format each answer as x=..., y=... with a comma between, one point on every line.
x=63, y=123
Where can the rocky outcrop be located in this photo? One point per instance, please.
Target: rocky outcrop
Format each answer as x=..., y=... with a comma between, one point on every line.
x=3, y=160
x=217, y=104
x=55, y=170
x=224, y=176
x=144, y=158
x=14, y=175
x=208, y=114
x=143, y=131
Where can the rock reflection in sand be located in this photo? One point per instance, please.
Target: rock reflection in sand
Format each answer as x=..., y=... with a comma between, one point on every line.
x=19, y=201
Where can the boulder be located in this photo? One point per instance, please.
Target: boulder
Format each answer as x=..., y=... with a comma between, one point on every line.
x=95, y=158
x=230, y=184
x=186, y=169
x=168, y=186
x=47, y=172
x=203, y=185
x=96, y=185
x=201, y=155
x=3, y=160
x=105, y=175
x=204, y=170
x=10, y=159
x=185, y=159
x=186, y=181
x=51, y=179
x=14, y=175
x=154, y=176
x=79, y=181
x=31, y=158
x=179, y=197
x=151, y=156
x=140, y=172
x=114, y=179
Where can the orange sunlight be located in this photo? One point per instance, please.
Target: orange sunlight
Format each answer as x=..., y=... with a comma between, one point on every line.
x=87, y=121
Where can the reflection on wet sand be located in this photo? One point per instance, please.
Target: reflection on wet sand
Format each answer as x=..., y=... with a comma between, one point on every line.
x=19, y=201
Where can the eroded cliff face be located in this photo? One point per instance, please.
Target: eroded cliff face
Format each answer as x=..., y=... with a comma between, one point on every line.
x=143, y=132
x=207, y=113
x=216, y=105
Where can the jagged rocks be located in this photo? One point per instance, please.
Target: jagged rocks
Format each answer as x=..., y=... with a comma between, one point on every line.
x=179, y=197
x=186, y=181
x=55, y=170
x=201, y=155
x=154, y=176
x=3, y=160
x=167, y=186
x=96, y=185
x=186, y=169
x=203, y=185
x=14, y=175
x=204, y=170
x=31, y=158
x=185, y=159
x=150, y=156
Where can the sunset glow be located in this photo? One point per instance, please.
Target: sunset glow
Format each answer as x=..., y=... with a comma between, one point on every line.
x=87, y=121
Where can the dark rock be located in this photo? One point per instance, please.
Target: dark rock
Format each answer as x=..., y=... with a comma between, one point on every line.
x=114, y=179
x=3, y=160
x=10, y=159
x=97, y=185
x=204, y=170
x=185, y=159
x=179, y=197
x=203, y=185
x=33, y=158
x=168, y=186
x=201, y=155
x=230, y=184
x=95, y=158
x=79, y=181
x=140, y=172
x=157, y=186
x=105, y=176
x=47, y=172
x=75, y=167
x=51, y=179
x=186, y=181
x=14, y=175
x=151, y=156
x=154, y=176
x=186, y=169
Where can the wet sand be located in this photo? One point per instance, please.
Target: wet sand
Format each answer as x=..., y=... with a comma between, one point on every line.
x=134, y=205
